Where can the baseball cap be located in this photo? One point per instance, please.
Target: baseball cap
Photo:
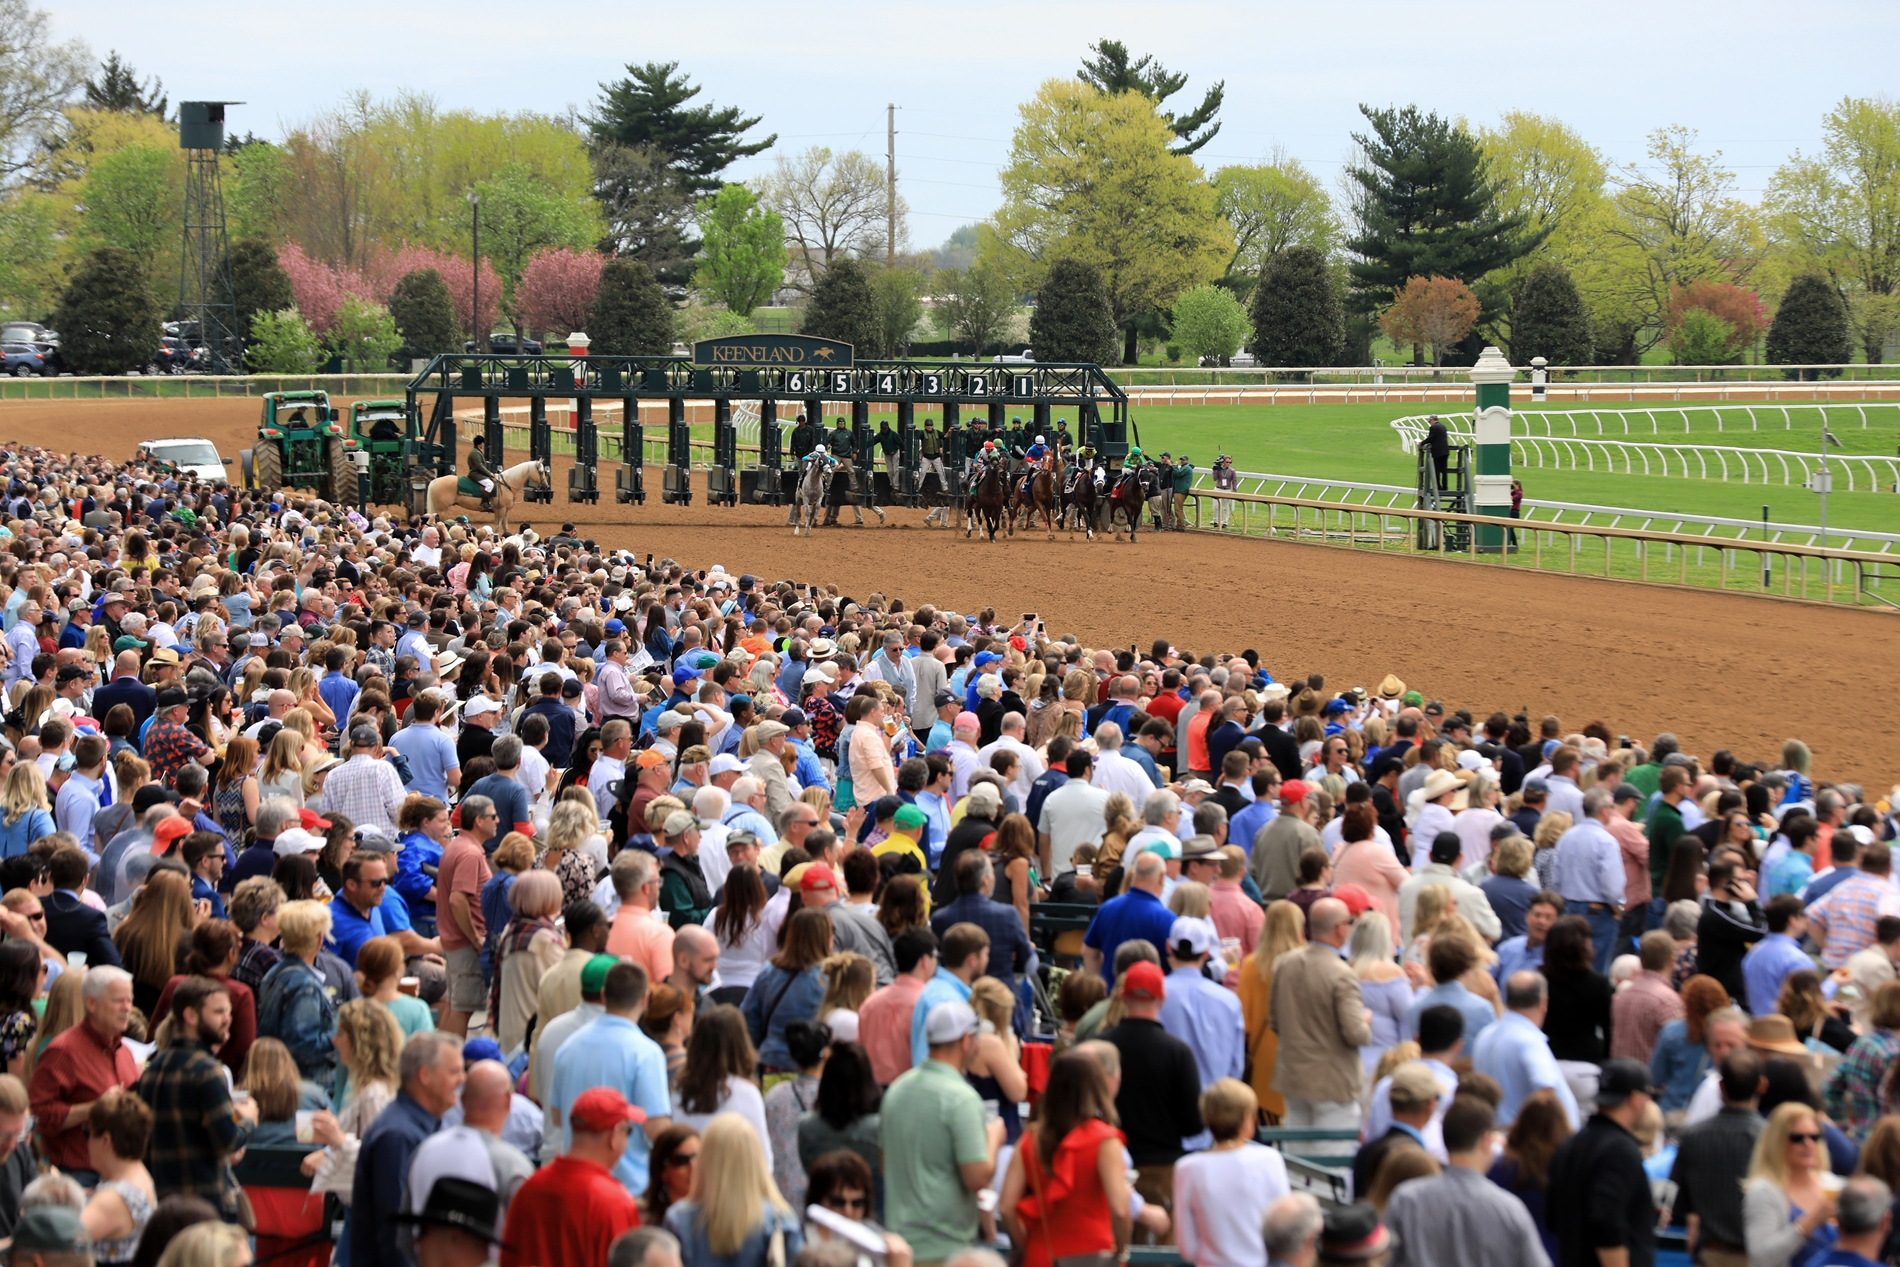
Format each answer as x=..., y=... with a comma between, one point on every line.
x=1293, y=791
x=944, y=697
x=770, y=730
x=171, y=696
x=310, y=820
x=910, y=816
x=792, y=718
x=651, y=757
x=480, y=1049
x=480, y=706
x=725, y=763
x=51, y=1229
x=1336, y=706
x=679, y=822
x=948, y=1022
x=683, y=675
x=818, y=876
x=1630, y=792
x=169, y=829
x=377, y=840
x=600, y=1109
x=1358, y=901
x=1144, y=981
x=1622, y=1078
x=594, y=973
x=72, y=672
x=966, y=720
x=294, y=840
x=1194, y=935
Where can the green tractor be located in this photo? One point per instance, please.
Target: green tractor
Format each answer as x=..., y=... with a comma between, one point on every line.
x=301, y=443
x=377, y=430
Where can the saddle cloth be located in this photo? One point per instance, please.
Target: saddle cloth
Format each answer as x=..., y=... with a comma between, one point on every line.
x=466, y=487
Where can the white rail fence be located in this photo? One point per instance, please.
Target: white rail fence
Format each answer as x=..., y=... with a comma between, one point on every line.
x=1786, y=467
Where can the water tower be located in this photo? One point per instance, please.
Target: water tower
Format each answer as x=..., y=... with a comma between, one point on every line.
x=205, y=293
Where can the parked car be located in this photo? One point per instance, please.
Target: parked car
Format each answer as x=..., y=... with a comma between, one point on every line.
x=1026, y=357
x=194, y=455
x=33, y=335
x=23, y=360
x=174, y=356
x=502, y=343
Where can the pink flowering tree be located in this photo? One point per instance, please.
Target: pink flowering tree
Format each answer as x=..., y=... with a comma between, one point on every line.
x=557, y=289
x=389, y=267
x=320, y=288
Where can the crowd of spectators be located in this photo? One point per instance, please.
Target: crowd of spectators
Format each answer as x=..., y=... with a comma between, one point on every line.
x=545, y=902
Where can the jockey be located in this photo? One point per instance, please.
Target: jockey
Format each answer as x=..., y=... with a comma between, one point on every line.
x=1040, y=454
x=479, y=471
x=1085, y=461
x=990, y=455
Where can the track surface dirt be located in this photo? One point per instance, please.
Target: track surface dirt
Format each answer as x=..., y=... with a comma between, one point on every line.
x=1721, y=670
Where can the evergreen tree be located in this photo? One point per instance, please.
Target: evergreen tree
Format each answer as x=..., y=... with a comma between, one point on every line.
x=1111, y=71
x=1427, y=209
x=425, y=314
x=630, y=316
x=1071, y=320
x=843, y=306
x=258, y=282
x=649, y=108
x=1296, y=312
x=118, y=88
x=1810, y=327
x=1548, y=319
x=107, y=320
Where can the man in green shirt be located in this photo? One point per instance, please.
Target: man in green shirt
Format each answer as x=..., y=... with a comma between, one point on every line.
x=1645, y=777
x=937, y=1152
x=1665, y=822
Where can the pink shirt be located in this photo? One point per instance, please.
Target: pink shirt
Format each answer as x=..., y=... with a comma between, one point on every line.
x=1635, y=846
x=1639, y=1012
x=1235, y=914
x=884, y=1027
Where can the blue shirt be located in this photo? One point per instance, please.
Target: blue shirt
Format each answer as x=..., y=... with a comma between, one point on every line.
x=1677, y=1065
x=808, y=771
x=1821, y=886
x=939, y=736
x=1773, y=959
x=1514, y=955
x=1139, y=755
x=382, y=1170
x=1510, y=898
x=1039, y=791
x=349, y=930
x=1135, y=914
x=201, y=889
x=1516, y=1053
x=1476, y=1011
x=1247, y=825
x=1589, y=865
x=610, y=1051
x=339, y=693
x=431, y=755
x=410, y=880
x=945, y=987
x=1207, y=1018
x=1788, y=875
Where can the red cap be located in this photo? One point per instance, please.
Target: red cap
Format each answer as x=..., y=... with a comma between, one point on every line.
x=1143, y=981
x=1293, y=791
x=1357, y=900
x=177, y=827
x=818, y=876
x=310, y=820
x=603, y=1108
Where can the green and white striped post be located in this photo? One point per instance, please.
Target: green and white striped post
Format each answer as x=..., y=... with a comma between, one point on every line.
x=1491, y=434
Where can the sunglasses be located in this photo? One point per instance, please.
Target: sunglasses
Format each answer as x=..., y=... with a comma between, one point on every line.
x=682, y=1159
x=375, y=884
x=860, y=1204
x=1803, y=1137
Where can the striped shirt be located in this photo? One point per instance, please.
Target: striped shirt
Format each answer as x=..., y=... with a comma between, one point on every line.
x=1843, y=921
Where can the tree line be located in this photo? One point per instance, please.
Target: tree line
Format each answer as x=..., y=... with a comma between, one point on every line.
x=352, y=236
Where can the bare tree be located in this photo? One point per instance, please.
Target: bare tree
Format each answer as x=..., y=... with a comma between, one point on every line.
x=831, y=204
x=37, y=78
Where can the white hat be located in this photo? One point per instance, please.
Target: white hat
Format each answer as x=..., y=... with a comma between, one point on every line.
x=948, y=1022
x=725, y=763
x=479, y=706
x=296, y=840
x=1200, y=935
x=818, y=449
x=1472, y=759
x=813, y=677
x=1040, y=440
x=623, y=603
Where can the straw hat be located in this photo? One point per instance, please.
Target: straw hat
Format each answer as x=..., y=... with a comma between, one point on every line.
x=1391, y=687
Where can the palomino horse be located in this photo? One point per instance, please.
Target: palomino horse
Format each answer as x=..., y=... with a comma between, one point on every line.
x=509, y=486
x=1035, y=495
x=988, y=501
x=1128, y=498
x=811, y=495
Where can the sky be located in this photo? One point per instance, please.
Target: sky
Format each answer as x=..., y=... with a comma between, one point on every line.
x=1753, y=78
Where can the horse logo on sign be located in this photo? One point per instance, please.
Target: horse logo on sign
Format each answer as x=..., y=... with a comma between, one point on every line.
x=772, y=351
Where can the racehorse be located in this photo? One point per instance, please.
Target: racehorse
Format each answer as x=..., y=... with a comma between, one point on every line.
x=810, y=495
x=1035, y=493
x=509, y=486
x=988, y=502
x=1080, y=505
x=1128, y=497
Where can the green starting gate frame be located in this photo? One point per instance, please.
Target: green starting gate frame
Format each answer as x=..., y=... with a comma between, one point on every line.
x=784, y=373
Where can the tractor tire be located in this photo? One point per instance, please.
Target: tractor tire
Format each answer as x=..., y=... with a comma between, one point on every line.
x=269, y=467
x=339, y=476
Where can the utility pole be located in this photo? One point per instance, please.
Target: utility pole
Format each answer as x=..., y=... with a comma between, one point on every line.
x=890, y=188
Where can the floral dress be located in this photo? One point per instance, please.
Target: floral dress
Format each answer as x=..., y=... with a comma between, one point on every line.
x=576, y=873
x=139, y=1206
x=16, y=1036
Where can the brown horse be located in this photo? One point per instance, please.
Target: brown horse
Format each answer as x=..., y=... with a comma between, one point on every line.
x=1079, y=506
x=988, y=501
x=1035, y=494
x=1128, y=499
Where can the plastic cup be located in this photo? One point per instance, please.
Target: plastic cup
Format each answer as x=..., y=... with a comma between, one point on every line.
x=304, y=1133
x=411, y=986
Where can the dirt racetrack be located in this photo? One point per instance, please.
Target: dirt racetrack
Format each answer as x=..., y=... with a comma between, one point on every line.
x=1721, y=670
